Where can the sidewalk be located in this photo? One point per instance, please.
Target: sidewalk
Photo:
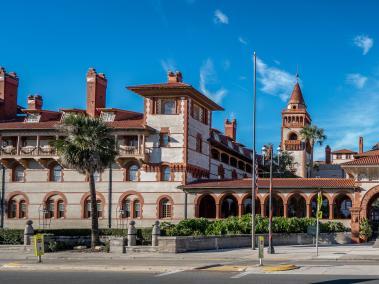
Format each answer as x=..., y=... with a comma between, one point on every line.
x=342, y=258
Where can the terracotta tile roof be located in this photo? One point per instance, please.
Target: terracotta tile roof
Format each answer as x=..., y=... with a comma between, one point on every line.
x=297, y=96
x=277, y=183
x=368, y=153
x=344, y=151
x=15, y=125
x=156, y=90
x=364, y=161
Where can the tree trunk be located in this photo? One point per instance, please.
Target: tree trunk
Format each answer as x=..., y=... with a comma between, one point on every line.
x=95, y=240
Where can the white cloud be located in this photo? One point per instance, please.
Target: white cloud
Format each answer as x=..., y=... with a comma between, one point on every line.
x=226, y=64
x=208, y=76
x=356, y=79
x=354, y=116
x=277, y=62
x=242, y=40
x=168, y=65
x=220, y=18
x=275, y=81
x=364, y=42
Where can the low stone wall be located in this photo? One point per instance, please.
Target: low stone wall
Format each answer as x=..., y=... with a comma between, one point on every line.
x=196, y=243
x=117, y=243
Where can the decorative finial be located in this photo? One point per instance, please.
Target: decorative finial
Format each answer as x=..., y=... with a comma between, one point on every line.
x=297, y=73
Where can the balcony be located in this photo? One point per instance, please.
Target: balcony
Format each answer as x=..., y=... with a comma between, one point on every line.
x=293, y=145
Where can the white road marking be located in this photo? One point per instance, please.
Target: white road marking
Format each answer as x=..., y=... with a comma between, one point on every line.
x=169, y=273
x=242, y=274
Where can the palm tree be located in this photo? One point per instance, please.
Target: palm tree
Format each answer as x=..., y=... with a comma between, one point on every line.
x=312, y=134
x=88, y=147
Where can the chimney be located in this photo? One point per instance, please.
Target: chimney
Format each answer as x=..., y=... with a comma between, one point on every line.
x=8, y=94
x=96, y=92
x=176, y=77
x=231, y=128
x=360, y=144
x=35, y=102
x=328, y=155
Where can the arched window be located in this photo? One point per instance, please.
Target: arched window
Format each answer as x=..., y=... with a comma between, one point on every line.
x=241, y=165
x=22, y=209
x=277, y=206
x=297, y=206
x=133, y=173
x=292, y=136
x=166, y=174
x=224, y=158
x=165, y=208
x=229, y=206
x=248, y=168
x=61, y=209
x=50, y=208
x=207, y=207
x=341, y=207
x=12, y=209
x=19, y=174
x=87, y=208
x=247, y=206
x=17, y=207
x=55, y=207
x=136, y=209
x=215, y=154
x=56, y=173
x=324, y=207
x=233, y=162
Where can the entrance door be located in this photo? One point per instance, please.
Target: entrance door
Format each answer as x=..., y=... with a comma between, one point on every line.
x=373, y=213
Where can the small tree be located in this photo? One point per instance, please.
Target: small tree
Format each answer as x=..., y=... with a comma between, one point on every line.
x=312, y=135
x=88, y=147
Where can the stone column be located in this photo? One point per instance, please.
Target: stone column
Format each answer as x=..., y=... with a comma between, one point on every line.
x=354, y=223
x=37, y=145
x=285, y=207
x=308, y=209
x=18, y=145
x=28, y=233
x=331, y=212
x=240, y=210
x=263, y=210
x=132, y=234
x=218, y=211
x=156, y=232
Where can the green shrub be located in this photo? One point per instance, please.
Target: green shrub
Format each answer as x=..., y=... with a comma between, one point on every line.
x=242, y=225
x=11, y=237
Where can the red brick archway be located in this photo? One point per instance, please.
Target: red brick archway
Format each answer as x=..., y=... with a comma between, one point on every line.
x=366, y=200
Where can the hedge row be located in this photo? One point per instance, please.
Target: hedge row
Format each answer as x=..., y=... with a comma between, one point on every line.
x=16, y=236
x=235, y=225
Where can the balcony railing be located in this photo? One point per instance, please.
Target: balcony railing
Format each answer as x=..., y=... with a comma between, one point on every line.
x=293, y=145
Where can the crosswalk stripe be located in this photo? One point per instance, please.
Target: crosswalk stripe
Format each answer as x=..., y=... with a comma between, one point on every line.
x=240, y=275
x=169, y=273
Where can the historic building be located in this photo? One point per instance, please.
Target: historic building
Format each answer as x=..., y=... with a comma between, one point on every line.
x=172, y=143
x=294, y=118
x=171, y=163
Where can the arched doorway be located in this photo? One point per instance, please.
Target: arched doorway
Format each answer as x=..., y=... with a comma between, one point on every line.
x=229, y=206
x=373, y=211
x=297, y=206
x=277, y=206
x=207, y=207
x=247, y=206
x=341, y=206
x=324, y=207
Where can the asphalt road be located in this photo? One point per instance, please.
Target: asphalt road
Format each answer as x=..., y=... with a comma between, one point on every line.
x=197, y=277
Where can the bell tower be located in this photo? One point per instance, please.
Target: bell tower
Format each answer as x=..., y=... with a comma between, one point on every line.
x=294, y=118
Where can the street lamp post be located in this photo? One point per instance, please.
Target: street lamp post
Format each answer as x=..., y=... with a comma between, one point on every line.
x=268, y=154
x=254, y=177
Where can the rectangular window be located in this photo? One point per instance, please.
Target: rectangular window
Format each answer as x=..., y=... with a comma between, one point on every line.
x=108, y=116
x=199, y=113
x=164, y=139
x=165, y=106
x=32, y=118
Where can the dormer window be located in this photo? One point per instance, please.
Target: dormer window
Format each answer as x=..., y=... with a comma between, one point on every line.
x=32, y=117
x=230, y=145
x=108, y=116
x=217, y=138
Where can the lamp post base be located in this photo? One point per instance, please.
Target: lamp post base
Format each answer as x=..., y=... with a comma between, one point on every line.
x=271, y=250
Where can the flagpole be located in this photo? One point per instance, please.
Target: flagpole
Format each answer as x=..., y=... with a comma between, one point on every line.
x=254, y=178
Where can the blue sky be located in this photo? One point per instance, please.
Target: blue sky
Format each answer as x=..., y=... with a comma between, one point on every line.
x=51, y=44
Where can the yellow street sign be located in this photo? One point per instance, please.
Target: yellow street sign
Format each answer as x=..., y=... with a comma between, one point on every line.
x=39, y=248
